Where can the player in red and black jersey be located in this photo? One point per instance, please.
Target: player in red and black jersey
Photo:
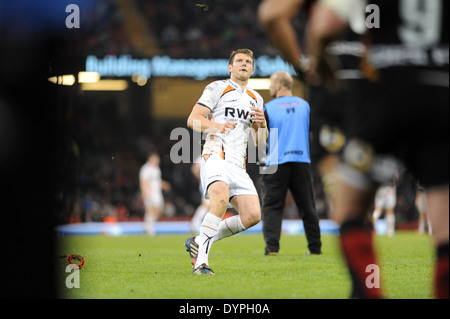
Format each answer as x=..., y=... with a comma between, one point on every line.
x=408, y=58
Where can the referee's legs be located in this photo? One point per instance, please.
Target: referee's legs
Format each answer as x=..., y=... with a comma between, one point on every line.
x=274, y=189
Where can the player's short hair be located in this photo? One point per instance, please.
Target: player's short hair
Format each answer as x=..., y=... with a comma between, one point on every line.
x=243, y=51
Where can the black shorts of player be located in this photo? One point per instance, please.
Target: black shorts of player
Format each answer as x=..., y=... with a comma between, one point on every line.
x=328, y=115
x=407, y=120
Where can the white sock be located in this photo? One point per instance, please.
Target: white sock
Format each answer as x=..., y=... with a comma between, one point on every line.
x=421, y=226
x=198, y=217
x=149, y=223
x=390, y=224
x=208, y=230
x=229, y=227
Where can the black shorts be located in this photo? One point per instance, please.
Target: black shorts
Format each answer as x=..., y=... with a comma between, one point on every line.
x=329, y=111
x=408, y=121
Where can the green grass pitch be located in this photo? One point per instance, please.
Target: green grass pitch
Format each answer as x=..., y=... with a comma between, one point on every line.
x=158, y=267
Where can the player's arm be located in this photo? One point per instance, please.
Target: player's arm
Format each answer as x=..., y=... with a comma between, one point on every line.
x=327, y=22
x=165, y=185
x=259, y=127
x=198, y=121
x=259, y=135
x=329, y=18
x=275, y=17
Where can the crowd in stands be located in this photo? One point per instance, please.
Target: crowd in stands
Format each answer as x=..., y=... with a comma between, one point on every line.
x=103, y=156
x=102, y=31
x=182, y=28
x=206, y=29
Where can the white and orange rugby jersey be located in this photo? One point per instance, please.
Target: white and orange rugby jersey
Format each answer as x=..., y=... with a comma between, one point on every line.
x=229, y=103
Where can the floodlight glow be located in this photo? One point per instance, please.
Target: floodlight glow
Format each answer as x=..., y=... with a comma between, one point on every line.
x=68, y=79
x=105, y=85
x=88, y=77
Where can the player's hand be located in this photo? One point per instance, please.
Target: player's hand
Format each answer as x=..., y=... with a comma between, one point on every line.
x=226, y=128
x=257, y=116
x=321, y=72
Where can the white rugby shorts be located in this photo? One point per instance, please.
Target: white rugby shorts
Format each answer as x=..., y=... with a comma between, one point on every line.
x=386, y=197
x=155, y=200
x=215, y=169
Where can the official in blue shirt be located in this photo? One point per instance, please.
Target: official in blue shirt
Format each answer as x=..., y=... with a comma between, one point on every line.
x=290, y=115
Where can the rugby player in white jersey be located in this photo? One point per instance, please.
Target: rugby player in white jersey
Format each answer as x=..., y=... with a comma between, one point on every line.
x=385, y=200
x=152, y=187
x=229, y=112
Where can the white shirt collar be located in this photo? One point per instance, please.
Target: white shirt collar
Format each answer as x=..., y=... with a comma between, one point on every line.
x=236, y=86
